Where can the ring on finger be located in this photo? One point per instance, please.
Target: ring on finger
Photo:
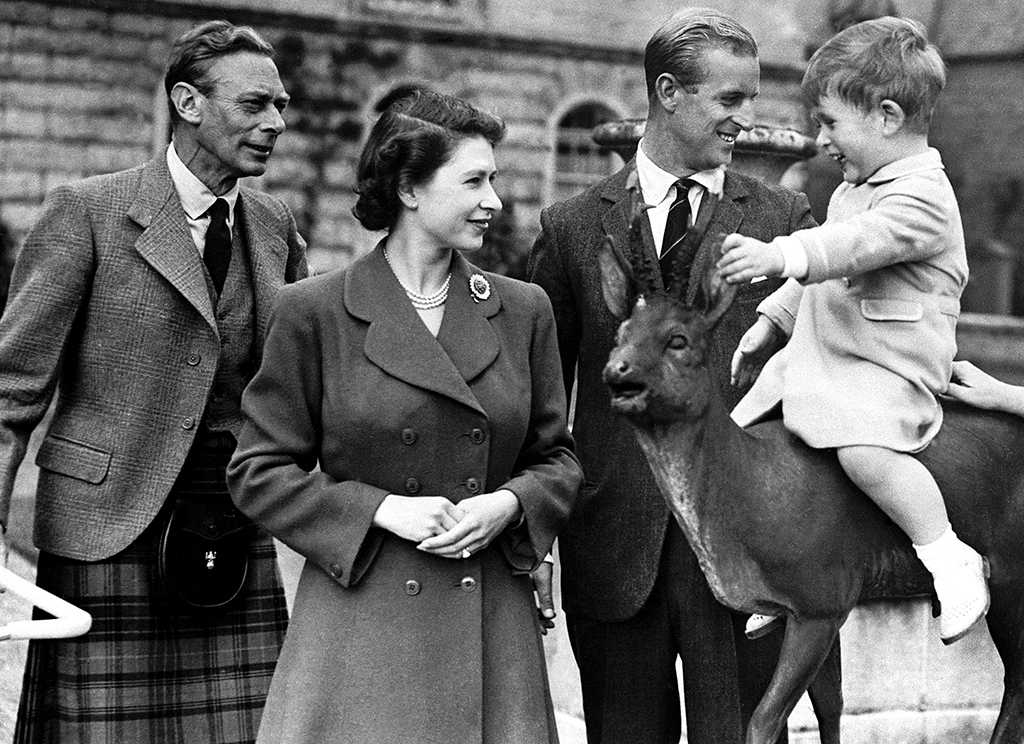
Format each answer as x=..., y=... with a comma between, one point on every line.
x=466, y=553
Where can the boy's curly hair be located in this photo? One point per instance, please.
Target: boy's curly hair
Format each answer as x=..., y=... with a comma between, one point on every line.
x=885, y=58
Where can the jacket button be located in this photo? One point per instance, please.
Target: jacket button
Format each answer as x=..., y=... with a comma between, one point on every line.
x=188, y=422
x=847, y=282
x=473, y=485
x=194, y=359
x=336, y=571
x=412, y=485
x=468, y=584
x=412, y=587
x=408, y=436
x=477, y=436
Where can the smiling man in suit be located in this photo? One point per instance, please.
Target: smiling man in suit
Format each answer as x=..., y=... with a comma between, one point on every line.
x=634, y=596
x=141, y=298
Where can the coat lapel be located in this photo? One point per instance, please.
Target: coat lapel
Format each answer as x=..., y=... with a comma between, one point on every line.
x=398, y=342
x=268, y=256
x=466, y=333
x=166, y=243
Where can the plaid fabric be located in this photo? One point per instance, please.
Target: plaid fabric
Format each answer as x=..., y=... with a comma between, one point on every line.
x=147, y=671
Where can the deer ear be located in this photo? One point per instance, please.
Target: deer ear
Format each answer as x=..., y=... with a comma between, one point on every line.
x=720, y=295
x=617, y=282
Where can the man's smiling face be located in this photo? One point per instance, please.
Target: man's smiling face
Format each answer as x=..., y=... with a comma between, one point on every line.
x=710, y=114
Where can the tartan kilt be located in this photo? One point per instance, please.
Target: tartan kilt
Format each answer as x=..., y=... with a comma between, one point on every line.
x=148, y=671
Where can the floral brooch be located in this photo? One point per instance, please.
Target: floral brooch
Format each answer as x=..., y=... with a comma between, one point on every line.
x=479, y=287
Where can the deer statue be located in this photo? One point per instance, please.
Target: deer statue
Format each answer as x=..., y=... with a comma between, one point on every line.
x=777, y=527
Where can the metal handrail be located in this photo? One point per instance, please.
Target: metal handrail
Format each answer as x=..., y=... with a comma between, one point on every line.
x=69, y=621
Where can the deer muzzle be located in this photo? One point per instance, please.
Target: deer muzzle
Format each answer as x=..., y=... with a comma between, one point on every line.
x=628, y=391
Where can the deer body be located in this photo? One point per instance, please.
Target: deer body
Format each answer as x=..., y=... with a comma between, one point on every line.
x=779, y=528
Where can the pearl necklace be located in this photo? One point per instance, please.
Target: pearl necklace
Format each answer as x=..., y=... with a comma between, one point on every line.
x=419, y=301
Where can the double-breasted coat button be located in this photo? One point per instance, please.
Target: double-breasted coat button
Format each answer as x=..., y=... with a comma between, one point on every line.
x=847, y=282
x=412, y=587
x=472, y=485
x=477, y=436
x=336, y=570
x=408, y=436
x=412, y=485
x=468, y=584
x=188, y=422
x=194, y=359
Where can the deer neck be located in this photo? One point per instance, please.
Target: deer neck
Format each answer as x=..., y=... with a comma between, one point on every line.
x=700, y=465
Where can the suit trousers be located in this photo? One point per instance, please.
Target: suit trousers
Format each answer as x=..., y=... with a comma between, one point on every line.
x=627, y=669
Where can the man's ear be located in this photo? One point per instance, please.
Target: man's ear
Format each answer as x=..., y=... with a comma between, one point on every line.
x=893, y=116
x=188, y=102
x=666, y=89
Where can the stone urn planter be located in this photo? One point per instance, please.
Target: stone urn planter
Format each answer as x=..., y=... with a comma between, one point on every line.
x=764, y=152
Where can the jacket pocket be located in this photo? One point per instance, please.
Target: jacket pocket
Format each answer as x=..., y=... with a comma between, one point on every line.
x=73, y=459
x=888, y=309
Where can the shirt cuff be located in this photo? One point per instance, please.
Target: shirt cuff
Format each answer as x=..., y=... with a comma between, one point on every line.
x=794, y=257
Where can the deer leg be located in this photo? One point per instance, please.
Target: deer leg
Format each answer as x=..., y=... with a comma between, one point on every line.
x=1006, y=625
x=804, y=649
x=826, y=693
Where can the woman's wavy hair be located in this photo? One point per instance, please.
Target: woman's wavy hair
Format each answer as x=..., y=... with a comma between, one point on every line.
x=885, y=58
x=413, y=137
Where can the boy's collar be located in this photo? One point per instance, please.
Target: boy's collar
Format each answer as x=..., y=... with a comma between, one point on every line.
x=928, y=160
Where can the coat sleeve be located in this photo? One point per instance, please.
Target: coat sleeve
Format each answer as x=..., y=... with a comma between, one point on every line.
x=546, y=268
x=901, y=225
x=49, y=285
x=273, y=477
x=547, y=475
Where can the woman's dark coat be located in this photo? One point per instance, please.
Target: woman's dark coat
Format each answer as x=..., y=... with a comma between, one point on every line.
x=387, y=643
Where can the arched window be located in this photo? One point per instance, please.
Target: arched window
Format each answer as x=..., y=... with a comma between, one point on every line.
x=579, y=162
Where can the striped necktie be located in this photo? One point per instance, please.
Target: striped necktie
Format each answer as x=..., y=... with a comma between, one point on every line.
x=676, y=225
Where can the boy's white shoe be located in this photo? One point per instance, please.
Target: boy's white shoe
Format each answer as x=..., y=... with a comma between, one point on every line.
x=761, y=625
x=963, y=596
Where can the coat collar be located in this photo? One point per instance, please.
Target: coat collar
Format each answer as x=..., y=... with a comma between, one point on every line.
x=399, y=343
x=727, y=216
x=928, y=160
x=166, y=243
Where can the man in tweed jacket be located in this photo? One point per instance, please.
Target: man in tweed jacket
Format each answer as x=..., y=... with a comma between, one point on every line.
x=113, y=308
x=634, y=596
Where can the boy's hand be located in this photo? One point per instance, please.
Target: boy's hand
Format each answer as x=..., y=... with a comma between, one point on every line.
x=745, y=258
x=755, y=348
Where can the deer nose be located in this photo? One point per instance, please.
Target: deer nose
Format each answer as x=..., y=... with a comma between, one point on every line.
x=616, y=369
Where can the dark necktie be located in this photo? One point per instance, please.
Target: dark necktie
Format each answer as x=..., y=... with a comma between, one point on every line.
x=675, y=230
x=217, y=251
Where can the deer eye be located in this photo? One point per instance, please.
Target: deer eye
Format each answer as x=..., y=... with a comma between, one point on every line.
x=678, y=342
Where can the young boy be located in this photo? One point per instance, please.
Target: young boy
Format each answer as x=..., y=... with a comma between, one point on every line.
x=871, y=305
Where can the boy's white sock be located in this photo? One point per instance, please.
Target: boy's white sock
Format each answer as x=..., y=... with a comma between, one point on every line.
x=944, y=553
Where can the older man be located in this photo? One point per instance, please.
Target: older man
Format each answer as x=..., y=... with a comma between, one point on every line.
x=141, y=298
x=634, y=595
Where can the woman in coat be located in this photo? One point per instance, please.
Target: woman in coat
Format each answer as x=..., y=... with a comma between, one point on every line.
x=406, y=434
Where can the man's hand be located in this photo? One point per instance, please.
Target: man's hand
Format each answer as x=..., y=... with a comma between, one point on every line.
x=756, y=347
x=542, y=576
x=745, y=258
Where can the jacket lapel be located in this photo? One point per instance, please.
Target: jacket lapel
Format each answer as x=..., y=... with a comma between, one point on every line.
x=397, y=341
x=268, y=257
x=727, y=216
x=615, y=222
x=166, y=243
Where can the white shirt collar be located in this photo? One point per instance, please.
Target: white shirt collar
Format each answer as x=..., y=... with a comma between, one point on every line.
x=196, y=197
x=656, y=183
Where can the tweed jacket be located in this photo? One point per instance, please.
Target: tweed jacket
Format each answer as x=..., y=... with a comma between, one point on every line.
x=110, y=308
x=611, y=547
x=873, y=326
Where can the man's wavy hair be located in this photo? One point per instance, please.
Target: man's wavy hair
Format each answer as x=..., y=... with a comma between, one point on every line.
x=678, y=46
x=885, y=58
x=414, y=136
x=195, y=51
